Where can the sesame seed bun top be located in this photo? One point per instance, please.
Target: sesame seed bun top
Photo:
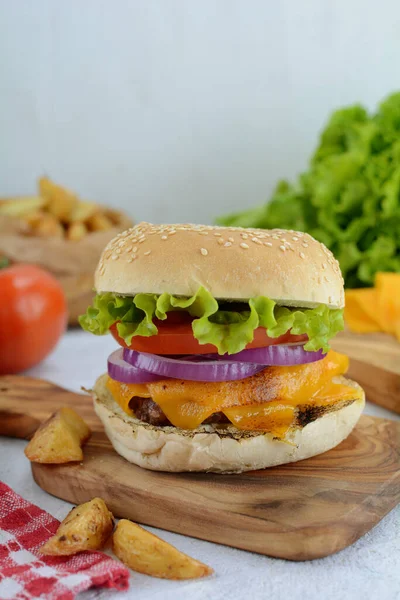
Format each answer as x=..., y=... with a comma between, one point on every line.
x=233, y=263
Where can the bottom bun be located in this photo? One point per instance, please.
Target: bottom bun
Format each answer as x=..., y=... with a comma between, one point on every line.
x=219, y=449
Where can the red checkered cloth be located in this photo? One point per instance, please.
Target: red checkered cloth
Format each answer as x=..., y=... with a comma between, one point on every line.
x=26, y=574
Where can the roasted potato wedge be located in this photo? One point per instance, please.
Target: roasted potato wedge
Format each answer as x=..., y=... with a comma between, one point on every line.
x=34, y=218
x=99, y=222
x=21, y=206
x=59, y=439
x=83, y=211
x=87, y=527
x=113, y=215
x=60, y=201
x=146, y=553
x=48, y=226
x=76, y=231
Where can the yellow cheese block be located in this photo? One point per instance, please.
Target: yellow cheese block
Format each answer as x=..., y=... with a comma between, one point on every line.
x=360, y=311
x=375, y=309
x=388, y=301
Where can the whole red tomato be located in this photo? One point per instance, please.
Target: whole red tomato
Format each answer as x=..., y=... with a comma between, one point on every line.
x=33, y=315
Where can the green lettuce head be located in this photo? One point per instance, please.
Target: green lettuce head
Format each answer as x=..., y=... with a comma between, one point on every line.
x=349, y=198
x=228, y=330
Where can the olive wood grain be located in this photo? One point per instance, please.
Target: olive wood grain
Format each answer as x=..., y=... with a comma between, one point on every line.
x=25, y=402
x=299, y=511
x=375, y=364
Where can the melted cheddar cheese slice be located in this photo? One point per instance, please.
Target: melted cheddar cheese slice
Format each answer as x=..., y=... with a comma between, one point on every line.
x=266, y=401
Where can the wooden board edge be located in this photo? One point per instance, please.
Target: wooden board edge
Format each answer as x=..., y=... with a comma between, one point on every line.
x=306, y=552
x=381, y=387
x=299, y=542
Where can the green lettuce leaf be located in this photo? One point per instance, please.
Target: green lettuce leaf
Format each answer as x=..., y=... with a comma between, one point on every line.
x=228, y=330
x=349, y=198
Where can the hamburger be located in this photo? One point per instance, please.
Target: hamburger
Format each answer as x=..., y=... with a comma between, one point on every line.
x=223, y=361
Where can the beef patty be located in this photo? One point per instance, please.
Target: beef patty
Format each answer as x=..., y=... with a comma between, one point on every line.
x=147, y=410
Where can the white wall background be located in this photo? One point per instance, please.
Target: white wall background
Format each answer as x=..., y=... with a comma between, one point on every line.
x=182, y=109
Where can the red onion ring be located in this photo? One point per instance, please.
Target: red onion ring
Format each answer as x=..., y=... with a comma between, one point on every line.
x=203, y=370
x=281, y=355
x=121, y=371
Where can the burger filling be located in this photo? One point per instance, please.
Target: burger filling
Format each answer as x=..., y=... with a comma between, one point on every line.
x=148, y=411
x=186, y=362
x=217, y=326
x=275, y=400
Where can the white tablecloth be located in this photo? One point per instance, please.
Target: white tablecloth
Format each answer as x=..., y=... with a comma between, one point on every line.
x=368, y=569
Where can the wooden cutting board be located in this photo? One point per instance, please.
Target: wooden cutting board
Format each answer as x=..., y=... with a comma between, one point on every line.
x=299, y=511
x=375, y=364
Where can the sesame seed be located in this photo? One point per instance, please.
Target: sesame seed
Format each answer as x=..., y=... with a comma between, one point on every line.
x=204, y=251
x=244, y=236
x=172, y=232
x=220, y=241
x=130, y=259
x=302, y=255
x=323, y=265
x=243, y=245
x=295, y=239
x=304, y=245
x=142, y=240
x=203, y=232
x=114, y=257
x=147, y=252
x=268, y=244
x=217, y=234
x=231, y=239
x=134, y=249
x=227, y=244
x=326, y=279
x=282, y=248
x=164, y=237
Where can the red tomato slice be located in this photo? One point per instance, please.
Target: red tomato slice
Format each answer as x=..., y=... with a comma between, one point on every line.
x=175, y=336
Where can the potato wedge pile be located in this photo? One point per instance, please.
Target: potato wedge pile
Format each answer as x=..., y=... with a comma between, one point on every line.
x=59, y=213
x=89, y=526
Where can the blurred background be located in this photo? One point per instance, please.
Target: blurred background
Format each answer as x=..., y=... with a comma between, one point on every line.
x=177, y=111
x=180, y=110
